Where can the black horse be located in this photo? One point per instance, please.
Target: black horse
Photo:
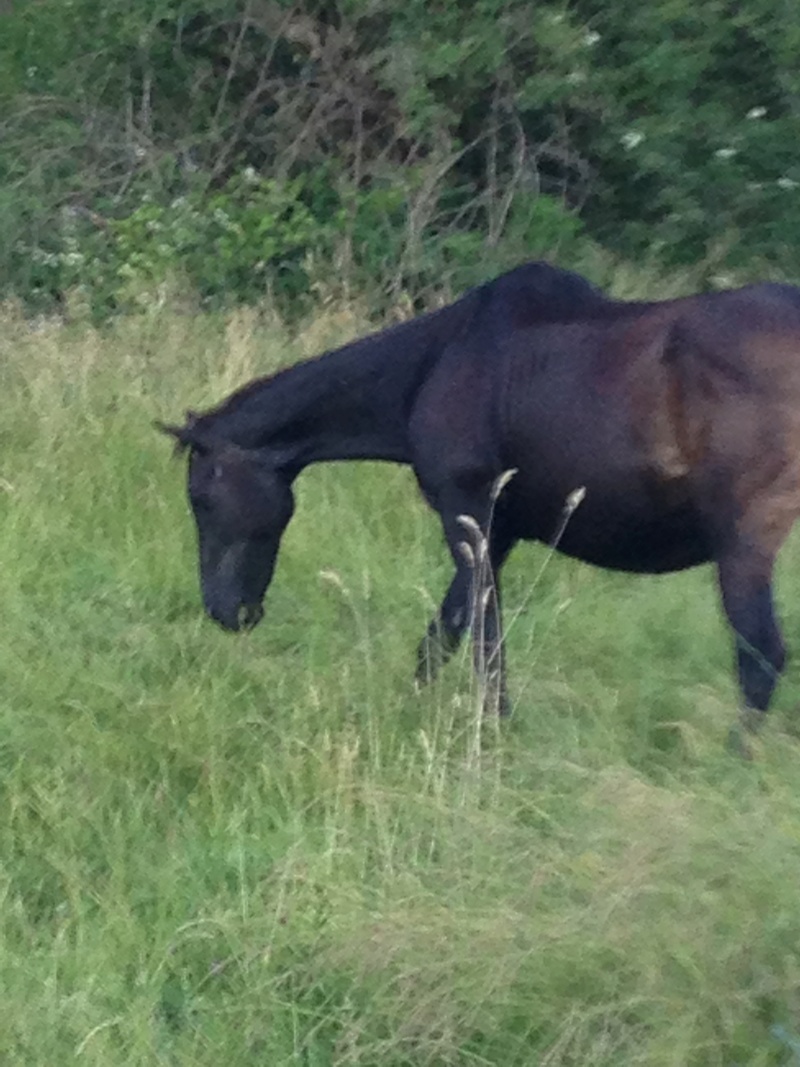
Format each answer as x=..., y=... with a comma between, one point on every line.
x=644, y=437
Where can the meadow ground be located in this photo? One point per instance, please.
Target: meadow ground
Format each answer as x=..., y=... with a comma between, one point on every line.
x=266, y=850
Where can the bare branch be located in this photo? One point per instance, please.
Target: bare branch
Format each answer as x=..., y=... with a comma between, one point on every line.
x=252, y=98
x=232, y=65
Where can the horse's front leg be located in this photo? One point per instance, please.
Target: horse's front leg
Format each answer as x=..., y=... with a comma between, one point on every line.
x=445, y=629
x=448, y=625
x=478, y=554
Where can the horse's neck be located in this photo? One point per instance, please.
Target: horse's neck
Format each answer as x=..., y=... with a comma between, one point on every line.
x=348, y=404
x=351, y=403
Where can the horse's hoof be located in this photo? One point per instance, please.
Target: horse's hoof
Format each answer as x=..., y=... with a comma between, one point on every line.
x=740, y=743
x=751, y=719
x=423, y=680
x=742, y=735
x=496, y=707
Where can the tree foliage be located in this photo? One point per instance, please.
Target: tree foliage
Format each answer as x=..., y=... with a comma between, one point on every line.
x=389, y=144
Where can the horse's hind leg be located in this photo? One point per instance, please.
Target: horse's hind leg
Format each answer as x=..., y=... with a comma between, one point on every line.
x=447, y=627
x=745, y=578
x=745, y=559
x=746, y=585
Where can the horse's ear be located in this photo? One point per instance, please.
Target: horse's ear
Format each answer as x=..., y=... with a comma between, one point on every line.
x=168, y=429
x=184, y=438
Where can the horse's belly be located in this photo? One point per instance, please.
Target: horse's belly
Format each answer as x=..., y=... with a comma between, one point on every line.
x=565, y=437
x=620, y=525
x=647, y=545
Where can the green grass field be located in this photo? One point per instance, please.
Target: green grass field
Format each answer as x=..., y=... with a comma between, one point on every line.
x=267, y=850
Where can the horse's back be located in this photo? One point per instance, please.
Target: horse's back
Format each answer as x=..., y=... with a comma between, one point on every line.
x=535, y=293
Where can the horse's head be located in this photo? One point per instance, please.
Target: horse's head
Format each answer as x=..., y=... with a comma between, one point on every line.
x=241, y=506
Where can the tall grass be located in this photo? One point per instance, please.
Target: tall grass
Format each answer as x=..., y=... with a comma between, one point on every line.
x=268, y=850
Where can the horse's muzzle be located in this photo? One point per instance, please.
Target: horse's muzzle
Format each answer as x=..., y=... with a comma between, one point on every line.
x=250, y=615
x=244, y=617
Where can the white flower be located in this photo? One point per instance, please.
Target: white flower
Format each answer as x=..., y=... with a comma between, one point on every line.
x=787, y=183
x=631, y=138
x=47, y=258
x=725, y=153
x=576, y=77
x=723, y=281
x=250, y=175
x=756, y=113
x=591, y=37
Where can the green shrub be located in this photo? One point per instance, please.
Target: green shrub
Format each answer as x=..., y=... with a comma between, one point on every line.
x=389, y=147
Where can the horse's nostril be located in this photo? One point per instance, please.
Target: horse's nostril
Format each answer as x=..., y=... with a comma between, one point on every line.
x=250, y=615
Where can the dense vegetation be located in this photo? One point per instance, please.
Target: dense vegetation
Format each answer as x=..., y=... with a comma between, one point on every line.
x=389, y=146
x=266, y=850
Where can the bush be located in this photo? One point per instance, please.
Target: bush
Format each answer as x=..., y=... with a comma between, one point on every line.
x=256, y=236
x=393, y=147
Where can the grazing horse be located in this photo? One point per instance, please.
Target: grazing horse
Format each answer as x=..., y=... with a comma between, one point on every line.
x=677, y=422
